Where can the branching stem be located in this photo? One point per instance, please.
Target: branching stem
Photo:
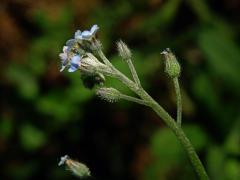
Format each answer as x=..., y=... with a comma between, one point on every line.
x=133, y=99
x=162, y=113
x=133, y=72
x=104, y=58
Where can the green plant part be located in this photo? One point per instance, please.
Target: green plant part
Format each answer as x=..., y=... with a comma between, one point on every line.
x=103, y=66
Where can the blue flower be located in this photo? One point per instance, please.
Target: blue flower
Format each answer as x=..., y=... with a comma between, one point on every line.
x=86, y=35
x=75, y=63
x=64, y=56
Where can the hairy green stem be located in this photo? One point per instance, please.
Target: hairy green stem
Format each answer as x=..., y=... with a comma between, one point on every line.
x=170, y=122
x=133, y=72
x=133, y=99
x=177, y=130
x=179, y=101
x=104, y=58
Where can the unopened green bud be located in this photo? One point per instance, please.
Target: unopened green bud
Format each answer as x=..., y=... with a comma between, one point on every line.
x=77, y=168
x=172, y=66
x=90, y=64
x=108, y=94
x=123, y=50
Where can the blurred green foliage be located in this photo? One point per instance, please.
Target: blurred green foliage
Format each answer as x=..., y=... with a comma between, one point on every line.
x=46, y=114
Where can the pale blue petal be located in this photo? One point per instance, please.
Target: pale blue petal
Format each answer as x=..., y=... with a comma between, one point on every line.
x=72, y=69
x=77, y=34
x=75, y=63
x=76, y=59
x=86, y=35
x=94, y=29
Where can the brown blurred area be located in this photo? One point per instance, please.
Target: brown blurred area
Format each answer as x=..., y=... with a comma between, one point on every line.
x=18, y=26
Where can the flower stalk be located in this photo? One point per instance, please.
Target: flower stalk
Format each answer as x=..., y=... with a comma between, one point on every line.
x=78, y=55
x=173, y=70
x=179, y=101
x=126, y=55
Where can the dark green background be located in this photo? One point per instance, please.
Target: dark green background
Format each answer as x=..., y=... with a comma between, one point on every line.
x=46, y=114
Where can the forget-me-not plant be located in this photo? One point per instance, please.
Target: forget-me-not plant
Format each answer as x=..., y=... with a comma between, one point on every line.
x=84, y=53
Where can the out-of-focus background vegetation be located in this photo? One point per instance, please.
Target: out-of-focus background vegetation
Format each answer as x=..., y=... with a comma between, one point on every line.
x=46, y=114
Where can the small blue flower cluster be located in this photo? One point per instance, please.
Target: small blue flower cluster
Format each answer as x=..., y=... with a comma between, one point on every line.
x=73, y=60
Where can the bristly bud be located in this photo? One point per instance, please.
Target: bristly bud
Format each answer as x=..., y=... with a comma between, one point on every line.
x=172, y=66
x=108, y=94
x=77, y=168
x=123, y=50
x=90, y=64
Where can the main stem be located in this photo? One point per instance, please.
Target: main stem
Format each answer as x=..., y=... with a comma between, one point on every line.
x=170, y=122
x=179, y=100
x=179, y=134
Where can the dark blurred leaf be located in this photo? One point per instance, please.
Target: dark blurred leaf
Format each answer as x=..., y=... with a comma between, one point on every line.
x=205, y=91
x=232, y=143
x=56, y=105
x=22, y=171
x=232, y=169
x=107, y=17
x=162, y=18
x=168, y=152
x=31, y=138
x=215, y=162
x=24, y=81
x=6, y=127
x=201, y=9
x=222, y=55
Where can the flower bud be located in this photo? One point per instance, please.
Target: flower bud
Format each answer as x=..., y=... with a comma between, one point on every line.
x=172, y=67
x=123, y=50
x=76, y=167
x=90, y=64
x=92, y=80
x=108, y=94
